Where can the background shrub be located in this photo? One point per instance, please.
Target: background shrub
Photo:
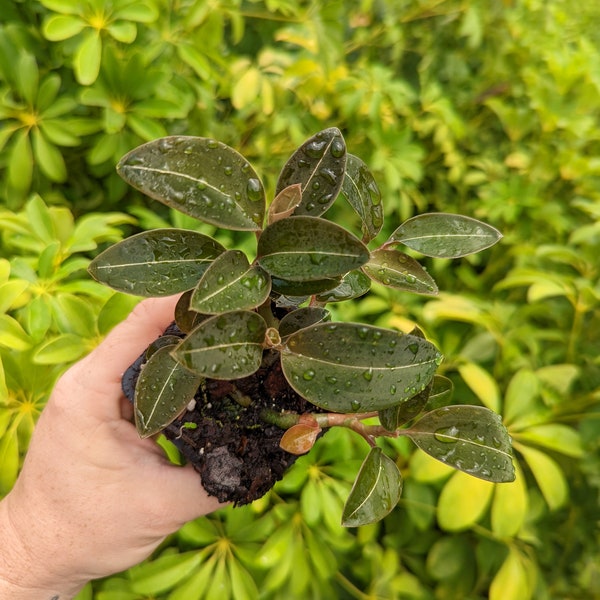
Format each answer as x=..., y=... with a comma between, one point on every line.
x=486, y=109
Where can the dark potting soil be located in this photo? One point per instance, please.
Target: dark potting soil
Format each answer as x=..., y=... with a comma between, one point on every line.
x=235, y=452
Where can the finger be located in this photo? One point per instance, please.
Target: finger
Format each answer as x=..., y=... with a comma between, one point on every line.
x=184, y=494
x=96, y=380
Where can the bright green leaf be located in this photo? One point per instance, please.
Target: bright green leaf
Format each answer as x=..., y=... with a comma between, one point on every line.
x=9, y=459
x=62, y=27
x=469, y=438
x=87, y=58
x=554, y=436
x=20, y=162
x=463, y=501
x=162, y=574
x=12, y=335
x=484, y=386
x=160, y=262
x=375, y=492
x=122, y=31
x=549, y=476
x=10, y=292
x=521, y=395
x=65, y=348
x=509, y=506
x=513, y=580
x=346, y=367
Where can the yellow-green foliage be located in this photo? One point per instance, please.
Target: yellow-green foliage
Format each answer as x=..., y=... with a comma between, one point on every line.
x=487, y=109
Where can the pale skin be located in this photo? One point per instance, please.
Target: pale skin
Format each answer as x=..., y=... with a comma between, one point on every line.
x=93, y=498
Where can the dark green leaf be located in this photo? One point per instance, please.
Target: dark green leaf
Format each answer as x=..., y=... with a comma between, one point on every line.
x=160, y=262
x=161, y=342
x=164, y=388
x=347, y=367
x=444, y=235
x=200, y=177
x=469, y=438
x=303, y=288
x=186, y=318
x=391, y=418
x=398, y=270
x=441, y=392
x=362, y=193
x=309, y=248
x=230, y=283
x=353, y=285
x=301, y=318
x=227, y=346
x=375, y=492
x=318, y=165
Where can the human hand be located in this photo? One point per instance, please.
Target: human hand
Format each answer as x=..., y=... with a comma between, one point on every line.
x=93, y=498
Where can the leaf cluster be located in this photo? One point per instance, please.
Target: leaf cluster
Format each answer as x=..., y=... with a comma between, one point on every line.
x=303, y=261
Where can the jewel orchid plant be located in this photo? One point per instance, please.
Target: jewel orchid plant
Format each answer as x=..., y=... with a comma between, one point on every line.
x=251, y=332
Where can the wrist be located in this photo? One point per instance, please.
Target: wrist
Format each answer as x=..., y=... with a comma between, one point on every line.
x=23, y=576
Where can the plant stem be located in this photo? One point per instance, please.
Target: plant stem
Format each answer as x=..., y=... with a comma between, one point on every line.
x=353, y=421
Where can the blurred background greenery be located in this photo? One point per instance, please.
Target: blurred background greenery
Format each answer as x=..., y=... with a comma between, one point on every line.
x=488, y=109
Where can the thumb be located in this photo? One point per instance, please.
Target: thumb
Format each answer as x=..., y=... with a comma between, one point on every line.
x=95, y=381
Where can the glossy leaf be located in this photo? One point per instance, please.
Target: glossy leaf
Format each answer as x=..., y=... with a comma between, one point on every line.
x=185, y=318
x=361, y=191
x=301, y=318
x=309, y=248
x=304, y=288
x=200, y=177
x=318, y=165
x=353, y=285
x=444, y=235
x=394, y=416
x=164, y=388
x=230, y=283
x=346, y=367
x=161, y=342
x=285, y=203
x=468, y=438
x=375, y=492
x=160, y=262
x=300, y=438
x=398, y=270
x=227, y=346
x=441, y=392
